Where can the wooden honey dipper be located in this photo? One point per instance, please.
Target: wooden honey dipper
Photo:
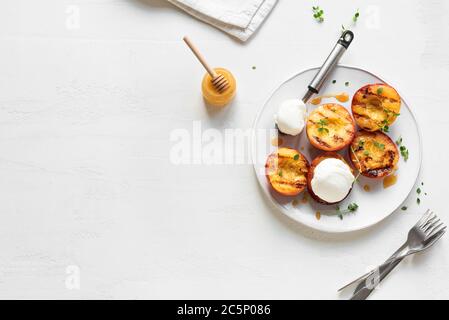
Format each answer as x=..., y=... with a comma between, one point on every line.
x=218, y=80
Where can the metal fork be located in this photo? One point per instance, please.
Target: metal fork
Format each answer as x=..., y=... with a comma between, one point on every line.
x=428, y=230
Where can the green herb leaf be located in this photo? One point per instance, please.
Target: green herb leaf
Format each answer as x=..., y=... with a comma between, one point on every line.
x=322, y=123
x=418, y=191
x=321, y=130
x=318, y=14
x=380, y=90
x=280, y=173
x=391, y=112
x=296, y=157
x=418, y=200
x=366, y=153
x=334, y=81
x=379, y=145
x=402, y=148
x=346, y=83
x=356, y=16
x=404, y=208
x=353, y=207
x=361, y=144
x=404, y=152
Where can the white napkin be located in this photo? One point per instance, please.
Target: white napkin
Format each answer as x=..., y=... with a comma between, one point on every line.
x=239, y=18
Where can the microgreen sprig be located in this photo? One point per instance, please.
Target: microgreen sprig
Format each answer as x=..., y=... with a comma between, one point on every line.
x=318, y=13
x=322, y=126
x=356, y=16
x=404, y=152
x=380, y=90
x=361, y=144
x=403, y=149
x=384, y=126
x=379, y=145
x=388, y=112
x=352, y=207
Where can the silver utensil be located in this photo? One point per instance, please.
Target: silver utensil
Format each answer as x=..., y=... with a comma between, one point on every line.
x=426, y=232
x=331, y=61
x=396, y=253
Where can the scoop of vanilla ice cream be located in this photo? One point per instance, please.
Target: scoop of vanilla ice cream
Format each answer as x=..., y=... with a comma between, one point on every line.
x=291, y=117
x=332, y=180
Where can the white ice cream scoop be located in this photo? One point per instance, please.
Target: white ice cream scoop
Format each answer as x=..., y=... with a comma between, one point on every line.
x=332, y=180
x=291, y=116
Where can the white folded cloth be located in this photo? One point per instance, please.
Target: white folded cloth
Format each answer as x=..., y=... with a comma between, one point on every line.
x=239, y=18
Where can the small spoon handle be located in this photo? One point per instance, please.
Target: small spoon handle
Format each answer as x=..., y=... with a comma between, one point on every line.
x=200, y=57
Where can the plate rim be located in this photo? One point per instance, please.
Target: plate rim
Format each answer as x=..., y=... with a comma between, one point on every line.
x=278, y=207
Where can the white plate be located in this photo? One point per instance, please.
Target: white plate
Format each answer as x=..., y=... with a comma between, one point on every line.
x=374, y=205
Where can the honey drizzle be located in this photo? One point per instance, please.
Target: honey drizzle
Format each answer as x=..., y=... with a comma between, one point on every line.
x=390, y=180
x=341, y=97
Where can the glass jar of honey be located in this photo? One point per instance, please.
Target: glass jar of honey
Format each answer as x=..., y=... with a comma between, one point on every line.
x=211, y=94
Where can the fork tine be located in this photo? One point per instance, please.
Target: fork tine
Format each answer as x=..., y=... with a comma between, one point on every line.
x=435, y=226
x=423, y=218
x=437, y=229
x=435, y=236
x=429, y=226
x=430, y=219
x=429, y=222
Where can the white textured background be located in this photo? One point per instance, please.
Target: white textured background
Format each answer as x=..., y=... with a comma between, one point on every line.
x=86, y=109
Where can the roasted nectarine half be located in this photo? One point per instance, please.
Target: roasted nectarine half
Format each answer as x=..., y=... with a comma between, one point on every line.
x=330, y=127
x=376, y=106
x=286, y=170
x=374, y=154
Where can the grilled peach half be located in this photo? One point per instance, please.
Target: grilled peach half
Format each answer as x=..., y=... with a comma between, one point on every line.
x=286, y=170
x=311, y=172
x=376, y=106
x=330, y=127
x=374, y=154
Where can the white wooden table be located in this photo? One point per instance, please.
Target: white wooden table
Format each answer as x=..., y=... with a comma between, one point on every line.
x=92, y=207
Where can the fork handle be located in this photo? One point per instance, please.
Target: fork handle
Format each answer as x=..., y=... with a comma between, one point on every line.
x=366, y=275
x=367, y=286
